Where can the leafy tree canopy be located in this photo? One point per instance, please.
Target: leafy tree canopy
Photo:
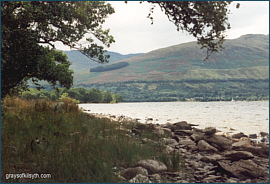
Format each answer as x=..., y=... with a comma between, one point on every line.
x=25, y=26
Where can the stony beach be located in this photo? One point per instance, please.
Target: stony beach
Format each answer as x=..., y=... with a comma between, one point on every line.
x=210, y=155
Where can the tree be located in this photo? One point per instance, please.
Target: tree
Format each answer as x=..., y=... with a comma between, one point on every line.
x=117, y=97
x=205, y=20
x=106, y=97
x=27, y=25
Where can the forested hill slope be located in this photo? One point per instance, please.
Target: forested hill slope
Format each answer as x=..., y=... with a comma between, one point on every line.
x=82, y=63
x=244, y=57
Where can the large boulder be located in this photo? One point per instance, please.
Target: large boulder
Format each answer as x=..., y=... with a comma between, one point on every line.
x=242, y=169
x=237, y=155
x=223, y=143
x=152, y=166
x=196, y=136
x=241, y=144
x=209, y=131
x=204, y=146
x=182, y=125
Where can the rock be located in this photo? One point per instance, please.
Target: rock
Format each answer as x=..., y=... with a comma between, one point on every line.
x=212, y=158
x=264, y=140
x=152, y=166
x=168, y=150
x=139, y=179
x=209, y=131
x=121, y=178
x=170, y=142
x=187, y=142
x=242, y=169
x=252, y=136
x=239, y=135
x=192, y=147
x=223, y=143
x=241, y=144
x=196, y=136
x=265, y=150
x=211, y=179
x=159, y=132
x=264, y=134
x=232, y=180
x=145, y=140
x=183, y=132
x=141, y=126
x=156, y=178
x=256, y=150
x=182, y=125
x=168, y=125
x=166, y=130
x=237, y=155
x=204, y=146
x=132, y=172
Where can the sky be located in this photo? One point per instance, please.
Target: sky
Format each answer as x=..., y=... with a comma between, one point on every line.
x=133, y=32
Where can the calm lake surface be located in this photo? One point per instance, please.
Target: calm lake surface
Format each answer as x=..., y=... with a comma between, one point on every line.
x=246, y=117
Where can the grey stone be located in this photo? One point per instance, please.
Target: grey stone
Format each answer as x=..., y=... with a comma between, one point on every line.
x=140, y=179
x=196, y=136
x=209, y=131
x=243, y=169
x=152, y=166
x=182, y=125
x=241, y=144
x=132, y=172
x=204, y=146
x=183, y=132
x=211, y=179
x=239, y=135
x=166, y=130
x=211, y=158
x=222, y=142
x=264, y=134
x=187, y=142
x=169, y=141
x=237, y=155
x=253, y=136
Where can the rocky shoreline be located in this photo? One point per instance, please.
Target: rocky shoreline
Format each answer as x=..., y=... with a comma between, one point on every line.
x=211, y=156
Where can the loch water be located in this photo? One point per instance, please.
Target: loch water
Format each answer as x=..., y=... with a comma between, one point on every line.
x=230, y=117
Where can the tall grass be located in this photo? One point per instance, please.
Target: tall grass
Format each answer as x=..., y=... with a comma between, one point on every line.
x=76, y=147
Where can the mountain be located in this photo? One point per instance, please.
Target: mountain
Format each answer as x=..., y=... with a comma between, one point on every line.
x=81, y=63
x=245, y=57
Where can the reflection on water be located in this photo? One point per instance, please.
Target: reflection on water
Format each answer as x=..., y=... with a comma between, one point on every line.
x=247, y=117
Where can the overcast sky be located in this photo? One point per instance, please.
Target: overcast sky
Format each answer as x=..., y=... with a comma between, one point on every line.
x=134, y=33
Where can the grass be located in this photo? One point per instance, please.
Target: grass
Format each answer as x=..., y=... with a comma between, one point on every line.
x=73, y=147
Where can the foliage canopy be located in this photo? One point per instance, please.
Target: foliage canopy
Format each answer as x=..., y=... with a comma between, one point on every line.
x=27, y=26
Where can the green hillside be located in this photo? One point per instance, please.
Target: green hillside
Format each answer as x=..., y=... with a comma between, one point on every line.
x=145, y=77
x=185, y=61
x=81, y=63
